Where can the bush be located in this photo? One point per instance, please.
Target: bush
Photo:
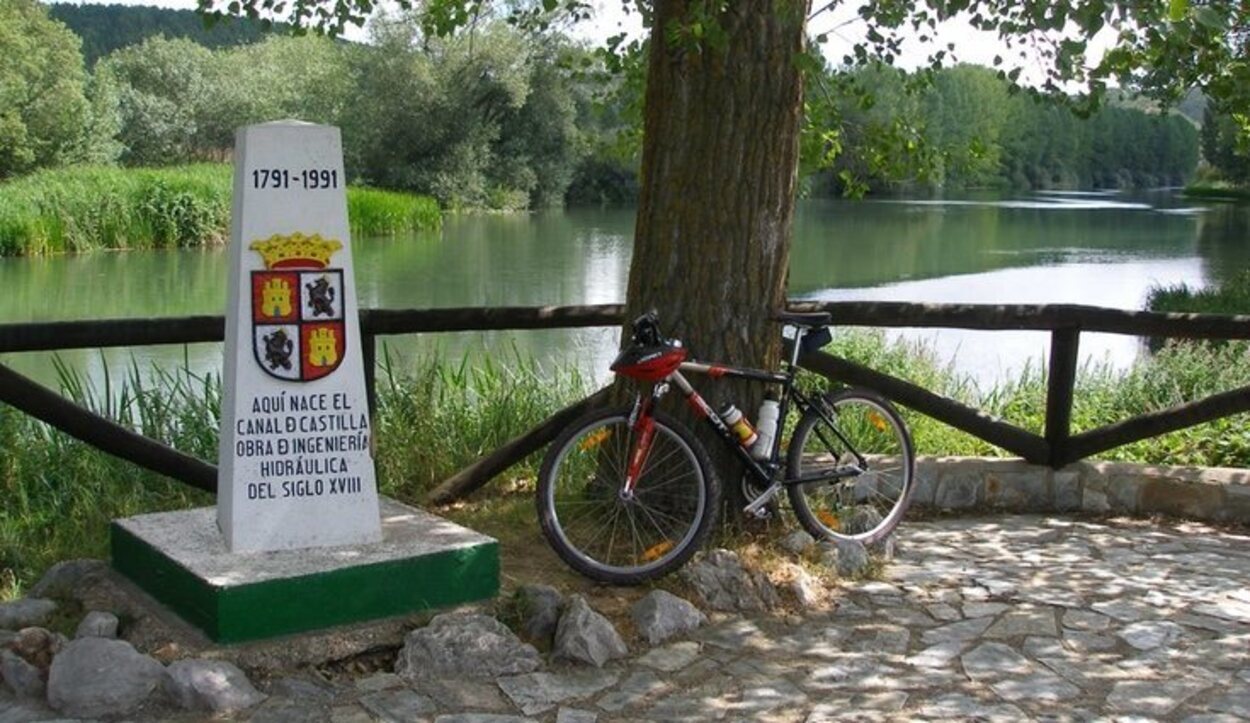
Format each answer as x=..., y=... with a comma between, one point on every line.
x=93, y=207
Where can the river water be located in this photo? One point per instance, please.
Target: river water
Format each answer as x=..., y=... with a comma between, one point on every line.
x=1104, y=249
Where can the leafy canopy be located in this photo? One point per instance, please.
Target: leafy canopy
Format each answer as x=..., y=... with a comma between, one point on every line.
x=1159, y=48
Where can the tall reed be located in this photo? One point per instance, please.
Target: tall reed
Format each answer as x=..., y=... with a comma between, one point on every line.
x=435, y=415
x=375, y=212
x=1231, y=296
x=90, y=208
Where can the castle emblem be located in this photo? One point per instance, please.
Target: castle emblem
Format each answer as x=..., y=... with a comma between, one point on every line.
x=298, y=326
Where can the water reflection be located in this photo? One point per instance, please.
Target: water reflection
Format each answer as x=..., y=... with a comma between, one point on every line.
x=1089, y=248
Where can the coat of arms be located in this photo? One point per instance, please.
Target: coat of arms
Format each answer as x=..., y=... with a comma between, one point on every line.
x=298, y=328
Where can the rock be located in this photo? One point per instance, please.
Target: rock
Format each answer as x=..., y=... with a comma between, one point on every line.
x=37, y=646
x=584, y=635
x=661, y=615
x=353, y=713
x=96, y=677
x=480, y=718
x=465, y=644
x=722, y=583
x=285, y=710
x=379, y=681
x=535, y=693
x=798, y=542
x=462, y=693
x=1094, y=501
x=97, y=624
x=1024, y=621
x=64, y=579
x=398, y=705
x=1149, y=634
x=861, y=518
x=848, y=557
x=636, y=688
x=805, y=589
x=211, y=685
x=992, y=661
x=23, y=679
x=540, y=607
x=958, y=491
x=671, y=658
x=886, y=548
x=302, y=689
x=25, y=613
x=575, y=715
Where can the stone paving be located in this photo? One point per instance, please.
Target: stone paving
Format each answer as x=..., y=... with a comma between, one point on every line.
x=994, y=618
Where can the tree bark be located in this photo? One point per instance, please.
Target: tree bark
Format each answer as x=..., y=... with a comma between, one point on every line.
x=719, y=169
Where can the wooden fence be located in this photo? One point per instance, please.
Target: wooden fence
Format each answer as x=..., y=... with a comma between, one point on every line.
x=1056, y=447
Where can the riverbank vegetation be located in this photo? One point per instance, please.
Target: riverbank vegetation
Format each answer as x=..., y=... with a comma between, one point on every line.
x=85, y=208
x=1231, y=296
x=437, y=415
x=511, y=118
x=1226, y=173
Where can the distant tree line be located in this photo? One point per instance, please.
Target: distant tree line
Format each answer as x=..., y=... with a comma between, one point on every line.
x=962, y=127
x=105, y=28
x=509, y=118
x=1225, y=148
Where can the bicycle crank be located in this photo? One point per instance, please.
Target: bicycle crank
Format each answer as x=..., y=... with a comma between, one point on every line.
x=761, y=503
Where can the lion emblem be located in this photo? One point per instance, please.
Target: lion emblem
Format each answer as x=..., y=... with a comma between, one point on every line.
x=321, y=297
x=278, y=348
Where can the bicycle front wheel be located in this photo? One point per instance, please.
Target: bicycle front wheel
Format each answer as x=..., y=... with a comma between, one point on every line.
x=856, y=457
x=619, y=538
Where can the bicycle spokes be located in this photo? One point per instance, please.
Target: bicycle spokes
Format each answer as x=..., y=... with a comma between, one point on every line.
x=853, y=464
x=626, y=497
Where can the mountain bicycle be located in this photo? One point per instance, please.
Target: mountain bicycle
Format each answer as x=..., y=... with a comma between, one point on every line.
x=628, y=494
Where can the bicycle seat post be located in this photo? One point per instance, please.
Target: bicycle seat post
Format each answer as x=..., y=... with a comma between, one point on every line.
x=799, y=332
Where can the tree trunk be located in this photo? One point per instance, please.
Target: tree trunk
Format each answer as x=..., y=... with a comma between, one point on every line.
x=719, y=167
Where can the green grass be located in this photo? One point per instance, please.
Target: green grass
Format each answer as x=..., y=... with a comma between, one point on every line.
x=437, y=415
x=376, y=212
x=440, y=415
x=1230, y=297
x=434, y=417
x=89, y=208
x=1176, y=373
x=1217, y=190
x=60, y=494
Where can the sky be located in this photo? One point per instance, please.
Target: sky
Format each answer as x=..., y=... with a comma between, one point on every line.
x=842, y=26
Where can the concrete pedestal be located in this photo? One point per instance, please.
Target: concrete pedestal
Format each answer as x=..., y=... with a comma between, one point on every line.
x=423, y=562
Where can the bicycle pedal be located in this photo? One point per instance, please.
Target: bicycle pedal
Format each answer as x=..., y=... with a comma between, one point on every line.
x=763, y=513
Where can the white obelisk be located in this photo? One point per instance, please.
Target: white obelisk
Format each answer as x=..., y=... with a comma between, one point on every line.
x=295, y=467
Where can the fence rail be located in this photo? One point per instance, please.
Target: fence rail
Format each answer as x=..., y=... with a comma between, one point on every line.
x=1056, y=447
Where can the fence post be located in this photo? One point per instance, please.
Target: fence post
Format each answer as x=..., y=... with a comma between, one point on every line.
x=369, y=350
x=1060, y=384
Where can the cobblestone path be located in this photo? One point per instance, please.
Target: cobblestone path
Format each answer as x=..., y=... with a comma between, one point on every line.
x=995, y=618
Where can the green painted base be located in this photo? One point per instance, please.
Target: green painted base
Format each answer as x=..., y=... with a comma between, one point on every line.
x=423, y=562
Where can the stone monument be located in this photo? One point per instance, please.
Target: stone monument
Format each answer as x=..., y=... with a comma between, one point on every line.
x=295, y=466
x=299, y=539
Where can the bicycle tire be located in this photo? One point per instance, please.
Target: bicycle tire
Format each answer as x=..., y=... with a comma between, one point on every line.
x=845, y=509
x=562, y=485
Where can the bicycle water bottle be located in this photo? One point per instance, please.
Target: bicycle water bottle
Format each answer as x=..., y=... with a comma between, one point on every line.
x=766, y=426
x=739, y=425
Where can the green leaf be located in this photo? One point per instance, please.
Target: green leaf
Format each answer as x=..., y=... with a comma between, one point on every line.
x=1209, y=17
x=1177, y=9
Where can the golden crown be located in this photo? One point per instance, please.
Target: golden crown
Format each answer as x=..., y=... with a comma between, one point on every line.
x=296, y=250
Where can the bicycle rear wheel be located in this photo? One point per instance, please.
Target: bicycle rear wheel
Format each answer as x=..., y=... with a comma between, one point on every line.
x=861, y=447
x=623, y=539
